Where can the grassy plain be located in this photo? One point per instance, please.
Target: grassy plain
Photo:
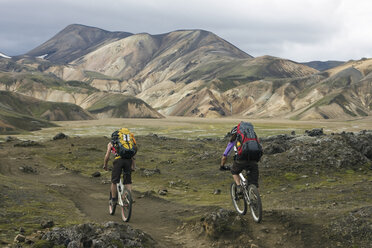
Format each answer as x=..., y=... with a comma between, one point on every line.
x=192, y=128
x=188, y=171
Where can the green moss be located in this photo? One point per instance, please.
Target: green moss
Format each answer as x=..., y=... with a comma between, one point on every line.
x=290, y=176
x=43, y=244
x=117, y=243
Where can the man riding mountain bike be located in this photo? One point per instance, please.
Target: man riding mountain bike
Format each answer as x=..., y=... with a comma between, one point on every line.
x=124, y=159
x=248, y=163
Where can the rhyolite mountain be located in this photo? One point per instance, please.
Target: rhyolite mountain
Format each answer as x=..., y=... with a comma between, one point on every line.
x=197, y=73
x=73, y=42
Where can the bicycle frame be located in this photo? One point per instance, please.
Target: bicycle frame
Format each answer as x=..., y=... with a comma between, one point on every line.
x=244, y=184
x=120, y=189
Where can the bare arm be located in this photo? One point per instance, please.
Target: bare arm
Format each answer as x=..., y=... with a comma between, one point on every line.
x=107, y=156
x=223, y=160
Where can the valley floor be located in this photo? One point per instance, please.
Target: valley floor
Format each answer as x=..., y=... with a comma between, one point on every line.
x=306, y=204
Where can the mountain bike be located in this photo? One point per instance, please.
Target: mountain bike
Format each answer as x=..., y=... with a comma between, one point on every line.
x=124, y=201
x=249, y=197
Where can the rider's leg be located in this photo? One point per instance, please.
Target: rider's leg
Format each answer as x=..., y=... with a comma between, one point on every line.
x=127, y=176
x=235, y=170
x=114, y=190
x=236, y=179
x=253, y=174
x=115, y=177
x=129, y=187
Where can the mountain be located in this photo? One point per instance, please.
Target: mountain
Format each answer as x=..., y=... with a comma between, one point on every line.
x=190, y=73
x=73, y=42
x=323, y=65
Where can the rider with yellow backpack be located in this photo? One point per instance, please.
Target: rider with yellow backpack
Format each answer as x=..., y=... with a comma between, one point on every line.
x=123, y=146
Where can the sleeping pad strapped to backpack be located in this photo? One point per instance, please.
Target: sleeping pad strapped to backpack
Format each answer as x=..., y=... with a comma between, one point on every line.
x=247, y=144
x=124, y=143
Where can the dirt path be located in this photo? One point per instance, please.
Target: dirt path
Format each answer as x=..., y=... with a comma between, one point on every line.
x=150, y=214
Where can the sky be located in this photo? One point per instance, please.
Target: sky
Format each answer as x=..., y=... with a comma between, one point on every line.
x=299, y=30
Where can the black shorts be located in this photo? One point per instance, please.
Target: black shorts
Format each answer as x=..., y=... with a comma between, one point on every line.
x=119, y=166
x=250, y=166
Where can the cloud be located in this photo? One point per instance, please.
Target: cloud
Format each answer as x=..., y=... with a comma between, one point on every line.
x=298, y=30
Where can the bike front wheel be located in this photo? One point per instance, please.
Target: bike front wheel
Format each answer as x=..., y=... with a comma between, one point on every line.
x=239, y=202
x=126, y=207
x=255, y=203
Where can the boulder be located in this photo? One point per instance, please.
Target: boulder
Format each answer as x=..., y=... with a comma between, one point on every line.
x=60, y=136
x=110, y=234
x=314, y=132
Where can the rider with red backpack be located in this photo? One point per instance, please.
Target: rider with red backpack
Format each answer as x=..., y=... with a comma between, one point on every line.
x=248, y=152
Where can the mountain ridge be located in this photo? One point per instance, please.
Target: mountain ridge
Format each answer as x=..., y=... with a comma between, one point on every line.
x=168, y=70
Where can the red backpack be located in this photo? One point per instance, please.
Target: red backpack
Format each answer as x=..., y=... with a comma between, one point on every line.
x=247, y=144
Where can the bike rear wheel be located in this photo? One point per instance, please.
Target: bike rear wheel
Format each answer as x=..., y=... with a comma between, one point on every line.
x=255, y=203
x=112, y=205
x=239, y=202
x=126, y=208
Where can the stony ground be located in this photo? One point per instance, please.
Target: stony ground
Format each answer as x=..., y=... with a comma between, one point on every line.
x=316, y=192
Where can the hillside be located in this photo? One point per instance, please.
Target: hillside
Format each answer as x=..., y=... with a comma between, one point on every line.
x=52, y=89
x=19, y=112
x=52, y=111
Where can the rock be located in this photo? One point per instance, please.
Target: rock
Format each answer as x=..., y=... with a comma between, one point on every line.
x=57, y=185
x=47, y=224
x=60, y=136
x=274, y=148
x=62, y=167
x=27, y=143
x=353, y=229
x=217, y=192
x=163, y=192
x=222, y=223
x=110, y=234
x=27, y=169
x=149, y=172
x=96, y=174
x=19, y=238
x=315, y=132
x=10, y=139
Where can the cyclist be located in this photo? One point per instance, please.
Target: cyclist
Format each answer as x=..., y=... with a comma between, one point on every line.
x=239, y=165
x=119, y=165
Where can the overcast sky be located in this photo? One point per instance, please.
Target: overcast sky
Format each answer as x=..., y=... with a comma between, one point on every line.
x=300, y=30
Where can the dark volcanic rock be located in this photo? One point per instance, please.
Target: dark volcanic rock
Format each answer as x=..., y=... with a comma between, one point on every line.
x=28, y=169
x=315, y=132
x=47, y=224
x=345, y=150
x=96, y=174
x=111, y=234
x=223, y=223
x=27, y=143
x=149, y=172
x=60, y=136
x=355, y=228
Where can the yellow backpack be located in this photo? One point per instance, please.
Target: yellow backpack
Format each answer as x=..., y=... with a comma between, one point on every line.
x=123, y=143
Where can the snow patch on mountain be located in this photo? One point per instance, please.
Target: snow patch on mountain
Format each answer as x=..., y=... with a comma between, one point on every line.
x=5, y=56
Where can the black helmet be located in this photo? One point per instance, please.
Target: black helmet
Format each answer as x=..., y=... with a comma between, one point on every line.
x=234, y=130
